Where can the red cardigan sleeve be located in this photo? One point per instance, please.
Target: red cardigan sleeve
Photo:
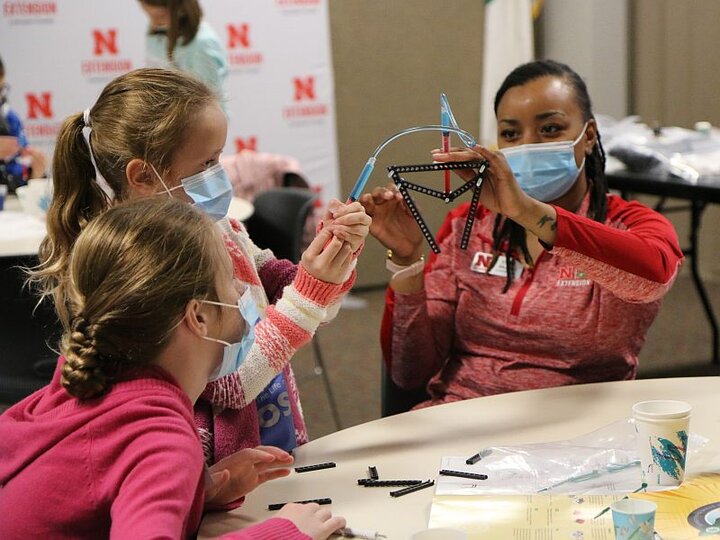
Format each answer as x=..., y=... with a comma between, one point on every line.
x=417, y=328
x=635, y=255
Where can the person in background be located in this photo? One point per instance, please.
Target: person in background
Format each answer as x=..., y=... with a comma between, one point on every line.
x=560, y=281
x=178, y=37
x=159, y=133
x=109, y=448
x=19, y=162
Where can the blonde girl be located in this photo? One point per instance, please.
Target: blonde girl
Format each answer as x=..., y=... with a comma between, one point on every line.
x=159, y=133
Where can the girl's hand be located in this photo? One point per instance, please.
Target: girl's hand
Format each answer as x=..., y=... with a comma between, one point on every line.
x=348, y=222
x=238, y=474
x=312, y=519
x=392, y=224
x=501, y=192
x=328, y=258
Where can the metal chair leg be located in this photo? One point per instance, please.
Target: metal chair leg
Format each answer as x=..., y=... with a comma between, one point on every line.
x=320, y=370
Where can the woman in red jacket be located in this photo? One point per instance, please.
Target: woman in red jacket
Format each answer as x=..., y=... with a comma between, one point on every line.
x=560, y=280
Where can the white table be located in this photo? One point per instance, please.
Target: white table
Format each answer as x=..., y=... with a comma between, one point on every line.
x=411, y=445
x=20, y=233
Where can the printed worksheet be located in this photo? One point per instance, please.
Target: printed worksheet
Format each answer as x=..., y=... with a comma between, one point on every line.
x=518, y=517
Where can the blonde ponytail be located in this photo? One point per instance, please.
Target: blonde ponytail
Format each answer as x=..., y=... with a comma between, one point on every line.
x=144, y=114
x=76, y=200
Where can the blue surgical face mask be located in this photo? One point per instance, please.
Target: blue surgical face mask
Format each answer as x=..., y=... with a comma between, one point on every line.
x=234, y=354
x=545, y=171
x=210, y=190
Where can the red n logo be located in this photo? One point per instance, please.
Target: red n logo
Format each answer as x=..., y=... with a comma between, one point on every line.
x=304, y=88
x=106, y=42
x=238, y=35
x=39, y=106
x=246, y=144
x=567, y=272
x=483, y=259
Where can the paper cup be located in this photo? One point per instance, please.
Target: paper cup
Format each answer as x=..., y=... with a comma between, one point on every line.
x=633, y=518
x=440, y=534
x=35, y=197
x=662, y=428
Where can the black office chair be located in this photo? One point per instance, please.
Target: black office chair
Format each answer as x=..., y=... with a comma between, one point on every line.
x=27, y=331
x=395, y=400
x=278, y=223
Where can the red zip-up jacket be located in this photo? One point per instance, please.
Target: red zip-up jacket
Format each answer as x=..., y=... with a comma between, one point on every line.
x=579, y=315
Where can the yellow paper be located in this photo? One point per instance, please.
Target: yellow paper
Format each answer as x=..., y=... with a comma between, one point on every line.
x=690, y=511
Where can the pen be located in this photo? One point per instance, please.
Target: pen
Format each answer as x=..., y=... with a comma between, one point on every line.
x=604, y=510
x=278, y=506
x=347, y=532
x=610, y=468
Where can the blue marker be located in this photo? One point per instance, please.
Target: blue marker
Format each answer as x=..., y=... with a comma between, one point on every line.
x=362, y=179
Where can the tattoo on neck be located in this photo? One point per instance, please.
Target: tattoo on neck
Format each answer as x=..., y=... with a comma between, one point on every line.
x=545, y=219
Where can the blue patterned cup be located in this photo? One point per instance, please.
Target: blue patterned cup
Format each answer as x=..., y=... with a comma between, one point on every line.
x=662, y=428
x=633, y=519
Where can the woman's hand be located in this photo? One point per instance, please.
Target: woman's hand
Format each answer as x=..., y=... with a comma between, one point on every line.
x=238, y=474
x=393, y=224
x=501, y=192
x=312, y=519
x=328, y=258
x=348, y=222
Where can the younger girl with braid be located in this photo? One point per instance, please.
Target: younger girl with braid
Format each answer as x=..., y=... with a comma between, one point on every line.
x=159, y=133
x=560, y=281
x=109, y=448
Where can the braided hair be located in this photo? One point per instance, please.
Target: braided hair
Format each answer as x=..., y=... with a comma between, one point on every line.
x=131, y=274
x=508, y=236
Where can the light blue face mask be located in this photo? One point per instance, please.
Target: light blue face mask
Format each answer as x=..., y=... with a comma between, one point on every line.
x=545, y=171
x=210, y=190
x=234, y=354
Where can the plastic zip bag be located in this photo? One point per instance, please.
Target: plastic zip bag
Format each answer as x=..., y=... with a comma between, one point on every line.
x=600, y=462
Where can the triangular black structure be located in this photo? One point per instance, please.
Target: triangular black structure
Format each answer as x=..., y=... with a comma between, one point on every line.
x=475, y=184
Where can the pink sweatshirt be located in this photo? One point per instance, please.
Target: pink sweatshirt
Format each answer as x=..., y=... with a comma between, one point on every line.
x=126, y=465
x=580, y=315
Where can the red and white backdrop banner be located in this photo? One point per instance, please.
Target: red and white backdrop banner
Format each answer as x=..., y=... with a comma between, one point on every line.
x=58, y=56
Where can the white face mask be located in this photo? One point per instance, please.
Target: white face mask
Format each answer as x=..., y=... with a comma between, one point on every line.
x=234, y=354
